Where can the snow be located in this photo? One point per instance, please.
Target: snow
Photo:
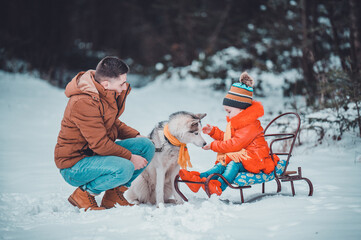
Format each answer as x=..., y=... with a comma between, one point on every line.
x=33, y=195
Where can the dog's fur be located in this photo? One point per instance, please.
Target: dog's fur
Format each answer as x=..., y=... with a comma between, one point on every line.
x=155, y=184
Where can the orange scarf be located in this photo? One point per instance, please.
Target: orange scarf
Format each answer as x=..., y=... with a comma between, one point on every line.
x=183, y=157
x=235, y=156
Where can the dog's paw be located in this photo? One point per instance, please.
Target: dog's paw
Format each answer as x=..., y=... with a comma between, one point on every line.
x=160, y=205
x=170, y=201
x=174, y=201
x=135, y=202
x=179, y=201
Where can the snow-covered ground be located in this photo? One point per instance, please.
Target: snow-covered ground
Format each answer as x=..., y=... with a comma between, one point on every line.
x=33, y=195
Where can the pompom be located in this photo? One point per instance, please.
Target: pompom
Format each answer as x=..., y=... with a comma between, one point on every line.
x=246, y=79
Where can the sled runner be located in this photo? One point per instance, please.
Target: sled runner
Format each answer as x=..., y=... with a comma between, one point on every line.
x=280, y=173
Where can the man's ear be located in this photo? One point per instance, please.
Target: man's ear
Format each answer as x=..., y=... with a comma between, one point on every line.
x=105, y=84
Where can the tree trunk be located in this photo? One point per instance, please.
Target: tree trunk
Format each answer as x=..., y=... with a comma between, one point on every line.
x=214, y=37
x=355, y=56
x=307, y=57
x=330, y=10
x=354, y=38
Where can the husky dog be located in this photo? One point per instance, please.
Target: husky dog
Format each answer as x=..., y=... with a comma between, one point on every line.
x=155, y=184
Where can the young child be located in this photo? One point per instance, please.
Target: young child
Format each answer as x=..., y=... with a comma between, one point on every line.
x=242, y=148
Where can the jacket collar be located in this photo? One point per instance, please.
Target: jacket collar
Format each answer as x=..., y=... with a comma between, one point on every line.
x=247, y=116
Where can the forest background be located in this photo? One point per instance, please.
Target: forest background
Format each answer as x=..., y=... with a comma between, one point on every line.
x=321, y=40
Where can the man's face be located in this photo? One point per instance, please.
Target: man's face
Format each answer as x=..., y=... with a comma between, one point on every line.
x=117, y=84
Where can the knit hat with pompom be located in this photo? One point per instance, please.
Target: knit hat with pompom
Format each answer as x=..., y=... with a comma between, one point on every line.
x=241, y=93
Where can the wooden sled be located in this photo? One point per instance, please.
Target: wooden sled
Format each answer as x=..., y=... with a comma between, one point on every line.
x=280, y=173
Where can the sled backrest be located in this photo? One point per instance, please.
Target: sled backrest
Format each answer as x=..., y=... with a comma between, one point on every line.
x=283, y=136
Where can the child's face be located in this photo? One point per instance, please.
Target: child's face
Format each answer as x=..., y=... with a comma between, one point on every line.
x=232, y=111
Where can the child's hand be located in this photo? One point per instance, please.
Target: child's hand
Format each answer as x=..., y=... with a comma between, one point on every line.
x=207, y=129
x=207, y=147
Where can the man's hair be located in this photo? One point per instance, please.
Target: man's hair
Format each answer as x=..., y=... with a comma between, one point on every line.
x=110, y=67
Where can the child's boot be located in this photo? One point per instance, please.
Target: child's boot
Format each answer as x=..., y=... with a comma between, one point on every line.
x=191, y=176
x=214, y=187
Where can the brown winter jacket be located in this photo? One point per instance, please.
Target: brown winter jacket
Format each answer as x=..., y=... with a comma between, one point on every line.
x=90, y=124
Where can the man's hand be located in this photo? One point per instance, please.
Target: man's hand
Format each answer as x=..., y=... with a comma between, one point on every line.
x=138, y=161
x=207, y=129
x=207, y=147
x=138, y=136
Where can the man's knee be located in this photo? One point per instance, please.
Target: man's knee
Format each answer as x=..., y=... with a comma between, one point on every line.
x=148, y=148
x=147, y=143
x=125, y=170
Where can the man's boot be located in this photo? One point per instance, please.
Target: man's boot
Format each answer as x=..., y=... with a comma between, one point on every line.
x=113, y=196
x=82, y=199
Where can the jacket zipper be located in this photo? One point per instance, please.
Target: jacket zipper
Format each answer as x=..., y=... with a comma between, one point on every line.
x=103, y=107
x=125, y=96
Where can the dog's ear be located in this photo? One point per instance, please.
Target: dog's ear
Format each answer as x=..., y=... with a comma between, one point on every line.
x=201, y=115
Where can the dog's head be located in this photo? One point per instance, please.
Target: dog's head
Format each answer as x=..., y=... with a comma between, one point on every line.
x=187, y=128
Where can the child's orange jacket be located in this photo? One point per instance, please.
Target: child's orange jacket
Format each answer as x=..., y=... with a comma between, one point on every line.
x=246, y=133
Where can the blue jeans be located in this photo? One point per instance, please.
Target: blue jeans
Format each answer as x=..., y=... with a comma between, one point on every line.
x=97, y=173
x=230, y=172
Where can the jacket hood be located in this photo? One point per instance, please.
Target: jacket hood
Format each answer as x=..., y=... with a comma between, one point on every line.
x=82, y=83
x=247, y=116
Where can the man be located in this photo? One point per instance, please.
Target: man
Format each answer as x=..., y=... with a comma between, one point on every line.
x=86, y=152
